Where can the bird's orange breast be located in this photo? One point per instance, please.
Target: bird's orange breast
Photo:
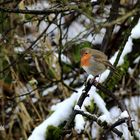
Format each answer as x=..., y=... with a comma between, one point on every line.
x=85, y=60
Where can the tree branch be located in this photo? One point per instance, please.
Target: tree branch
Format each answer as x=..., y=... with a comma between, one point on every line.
x=103, y=125
x=108, y=93
x=40, y=12
x=109, y=30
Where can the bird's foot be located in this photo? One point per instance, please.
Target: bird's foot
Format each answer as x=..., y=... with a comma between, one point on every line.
x=94, y=79
x=91, y=81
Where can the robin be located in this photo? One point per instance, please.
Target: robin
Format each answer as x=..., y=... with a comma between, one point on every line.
x=95, y=62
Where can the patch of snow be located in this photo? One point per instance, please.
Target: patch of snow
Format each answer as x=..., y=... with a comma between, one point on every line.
x=130, y=71
x=49, y=90
x=34, y=100
x=105, y=118
x=137, y=60
x=124, y=114
x=64, y=58
x=79, y=123
x=62, y=112
x=135, y=33
x=127, y=49
x=19, y=49
x=77, y=107
x=98, y=38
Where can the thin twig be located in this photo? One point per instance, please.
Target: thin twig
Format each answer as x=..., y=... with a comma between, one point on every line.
x=104, y=125
x=39, y=12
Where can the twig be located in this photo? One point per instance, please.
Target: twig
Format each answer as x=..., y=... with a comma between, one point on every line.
x=39, y=12
x=118, y=122
x=108, y=93
x=104, y=125
x=79, y=103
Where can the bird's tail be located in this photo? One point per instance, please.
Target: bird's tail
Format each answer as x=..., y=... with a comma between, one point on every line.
x=112, y=68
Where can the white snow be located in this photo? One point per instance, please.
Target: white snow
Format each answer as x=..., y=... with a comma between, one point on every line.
x=19, y=49
x=34, y=100
x=105, y=118
x=135, y=33
x=124, y=114
x=79, y=123
x=127, y=49
x=98, y=38
x=49, y=90
x=64, y=58
x=77, y=107
x=98, y=100
x=66, y=103
x=115, y=111
x=75, y=29
x=103, y=76
x=131, y=71
x=62, y=112
x=137, y=60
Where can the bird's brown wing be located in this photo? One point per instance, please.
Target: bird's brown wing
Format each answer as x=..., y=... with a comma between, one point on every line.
x=98, y=55
x=107, y=64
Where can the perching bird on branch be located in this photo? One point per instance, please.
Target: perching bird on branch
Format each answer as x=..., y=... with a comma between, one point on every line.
x=95, y=62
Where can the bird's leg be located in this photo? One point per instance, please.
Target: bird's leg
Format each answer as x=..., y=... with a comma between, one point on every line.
x=91, y=81
x=94, y=79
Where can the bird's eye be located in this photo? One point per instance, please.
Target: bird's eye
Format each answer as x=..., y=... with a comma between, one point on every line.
x=86, y=53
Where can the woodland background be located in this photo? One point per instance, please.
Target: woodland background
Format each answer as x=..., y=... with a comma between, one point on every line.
x=40, y=42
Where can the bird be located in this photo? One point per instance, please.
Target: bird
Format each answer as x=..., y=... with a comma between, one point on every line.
x=95, y=62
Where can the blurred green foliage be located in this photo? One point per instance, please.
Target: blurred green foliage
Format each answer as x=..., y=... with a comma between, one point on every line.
x=53, y=133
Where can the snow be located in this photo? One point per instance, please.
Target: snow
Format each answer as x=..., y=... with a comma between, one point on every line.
x=98, y=100
x=38, y=6
x=79, y=123
x=115, y=111
x=34, y=100
x=131, y=71
x=49, y=90
x=19, y=49
x=103, y=76
x=98, y=38
x=124, y=114
x=62, y=112
x=64, y=58
x=135, y=33
x=93, y=0
x=105, y=118
x=75, y=29
x=77, y=107
x=137, y=60
x=127, y=49
x=90, y=77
